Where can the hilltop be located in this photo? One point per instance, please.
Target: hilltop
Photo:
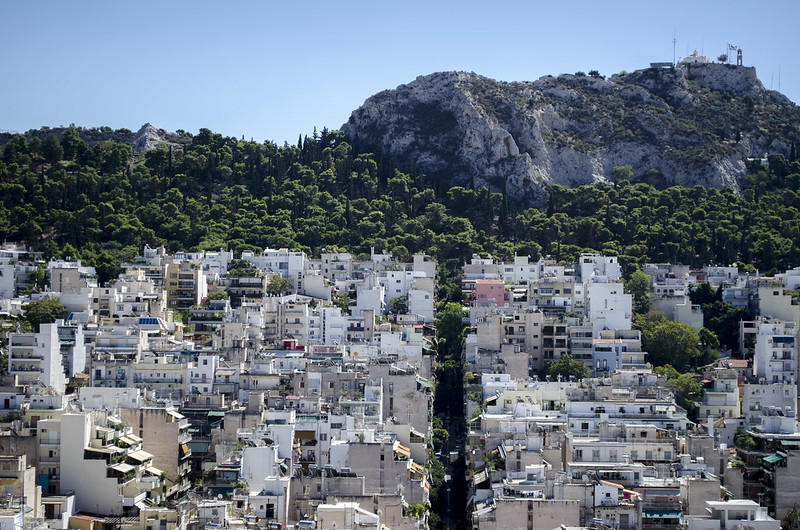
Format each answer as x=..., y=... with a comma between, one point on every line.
x=146, y=138
x=694, y=124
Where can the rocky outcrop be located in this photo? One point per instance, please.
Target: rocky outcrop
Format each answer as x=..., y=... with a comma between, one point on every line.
x=686, y=126
x=148, y=137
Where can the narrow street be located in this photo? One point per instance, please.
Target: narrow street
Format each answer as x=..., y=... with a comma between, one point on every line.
x=454, y=511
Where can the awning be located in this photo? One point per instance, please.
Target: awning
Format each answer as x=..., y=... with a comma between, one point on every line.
x=661, y=514
x=102, y=450
x=139, y=456
x=423, y=382
x=305, y=435
x=216, y=413
x=416, y=433
x=479, y=477
x=128, y=439
x=123, y=468
x=153, y=471
x=772, y=458
x=416, y=468
x=403, y=450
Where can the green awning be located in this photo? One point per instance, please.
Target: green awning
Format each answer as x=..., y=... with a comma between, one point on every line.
x=772, y=458
x=795, y=443
x=217, y=413
x=661, y=514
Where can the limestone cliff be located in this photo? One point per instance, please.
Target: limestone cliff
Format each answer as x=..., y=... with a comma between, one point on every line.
x=695, y=124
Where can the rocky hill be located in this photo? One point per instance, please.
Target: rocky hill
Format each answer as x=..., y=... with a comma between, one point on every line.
x=146, y=138
x=694, y=124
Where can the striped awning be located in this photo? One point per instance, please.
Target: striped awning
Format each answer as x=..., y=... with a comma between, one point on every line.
x=773, y=458
x=139, y=456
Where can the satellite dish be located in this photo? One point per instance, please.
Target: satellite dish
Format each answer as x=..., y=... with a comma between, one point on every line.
x=219, y=496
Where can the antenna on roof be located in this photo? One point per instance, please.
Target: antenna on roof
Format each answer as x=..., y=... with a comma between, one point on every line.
x=674, y=43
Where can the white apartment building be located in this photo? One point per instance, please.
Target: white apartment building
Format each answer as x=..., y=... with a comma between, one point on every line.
x=420, y=302
x=95, y=466
x=722, y=399
x=737, y=514
x=790, y=279
x=716, y=275
x=608, y=306
x=73, y=347
x=36, y=357
x=771, y=398
x=200, y=374
x=775, y=359
x=327, y=325
x=289, y=264
x=521, y=271
x=597, y=266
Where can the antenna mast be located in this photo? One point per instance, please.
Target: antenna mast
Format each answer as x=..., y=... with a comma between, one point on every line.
x=674, y=42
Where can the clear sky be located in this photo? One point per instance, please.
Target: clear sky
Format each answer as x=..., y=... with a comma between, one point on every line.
x=272, y=70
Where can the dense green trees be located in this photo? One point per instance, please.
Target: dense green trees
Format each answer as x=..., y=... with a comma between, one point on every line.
x=719, y=318
x=685, y=387
x=638, y=285
x=44, y=311
x=101, y=203
x=565, y=367
x=668, y=342
x=278, y=285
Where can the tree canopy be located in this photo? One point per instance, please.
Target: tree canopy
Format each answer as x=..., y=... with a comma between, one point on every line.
x=668, y=342
x=565, y=367
x=101, y=203
x=44, y=311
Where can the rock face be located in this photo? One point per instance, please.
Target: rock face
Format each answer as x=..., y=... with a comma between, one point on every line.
x=695, y=124
x=148, y=137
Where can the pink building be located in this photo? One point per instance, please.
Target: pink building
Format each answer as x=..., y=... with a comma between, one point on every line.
x=490, y=291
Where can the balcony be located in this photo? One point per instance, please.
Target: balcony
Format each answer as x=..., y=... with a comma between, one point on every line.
x=26, y=357
x=129, y=502
x=24, y=368
x=141, y=379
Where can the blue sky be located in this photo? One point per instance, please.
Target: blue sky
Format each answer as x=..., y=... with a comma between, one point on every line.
x=272, y=70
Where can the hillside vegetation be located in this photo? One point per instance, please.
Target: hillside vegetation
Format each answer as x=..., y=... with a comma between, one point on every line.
x=102, y=203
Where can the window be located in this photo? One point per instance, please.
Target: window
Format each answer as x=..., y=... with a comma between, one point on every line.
x=205, y=362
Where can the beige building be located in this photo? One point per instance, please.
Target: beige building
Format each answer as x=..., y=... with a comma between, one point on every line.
x=165, y=435
x=185, y=284
x=721, y=399
x=18, y=480
x=505, y=512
